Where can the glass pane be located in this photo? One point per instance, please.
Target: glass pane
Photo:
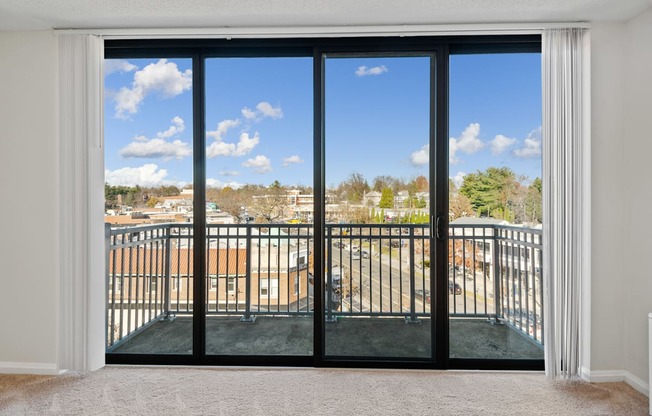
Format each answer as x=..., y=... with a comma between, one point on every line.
x=259, y=139
x=495, y=288
x=377, y=122
x=148, y=191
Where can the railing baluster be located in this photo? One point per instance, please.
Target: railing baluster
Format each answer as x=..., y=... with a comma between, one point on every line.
x=329, y=274
x=413, y=314
x=498, y=299
x=108, y=316
x=247, y=316
x=166, y=274
x=122, y=289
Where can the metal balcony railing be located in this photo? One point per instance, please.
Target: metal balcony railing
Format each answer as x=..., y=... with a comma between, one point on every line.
x=370, y=270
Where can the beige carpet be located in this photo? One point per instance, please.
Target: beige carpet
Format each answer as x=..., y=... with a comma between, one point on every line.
x=210, y=391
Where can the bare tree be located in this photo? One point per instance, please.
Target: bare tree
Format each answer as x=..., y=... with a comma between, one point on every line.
x=272, y=206
x=354, y=188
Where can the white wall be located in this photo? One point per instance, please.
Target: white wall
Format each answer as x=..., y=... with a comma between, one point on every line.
x=637, y=187
x=621, y=142
x=607, y=205
x=29, y=163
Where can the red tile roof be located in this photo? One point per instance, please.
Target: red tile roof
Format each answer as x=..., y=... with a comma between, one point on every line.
x=222, y=261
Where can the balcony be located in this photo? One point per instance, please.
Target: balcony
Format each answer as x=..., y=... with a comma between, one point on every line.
x=377, y=280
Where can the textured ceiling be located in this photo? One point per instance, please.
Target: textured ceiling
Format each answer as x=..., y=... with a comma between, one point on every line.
x=105, y=14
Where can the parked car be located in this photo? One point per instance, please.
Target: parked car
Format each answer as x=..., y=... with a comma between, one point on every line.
x=365, y=254
x=419, y=295
x=454, y=288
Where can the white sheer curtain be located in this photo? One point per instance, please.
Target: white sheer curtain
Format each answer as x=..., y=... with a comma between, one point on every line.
x=563, y=192
x=81, y=337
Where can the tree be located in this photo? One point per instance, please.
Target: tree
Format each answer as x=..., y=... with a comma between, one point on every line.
x=354, y=188
x=459, y=206
x=152, y=201
x=534, y=202
x=491, y=192
x=386, y=181
x=270, y=207
x=232, y=200
x=418, y=184
x=355, y=214
x=386, y=198
x=129, y=195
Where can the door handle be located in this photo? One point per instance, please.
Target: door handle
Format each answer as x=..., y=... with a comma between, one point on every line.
x=439, y=230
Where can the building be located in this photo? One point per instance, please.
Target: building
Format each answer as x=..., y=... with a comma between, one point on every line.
x=371, y=199
x=400, y=198
x=141, y=275
x=614, y=330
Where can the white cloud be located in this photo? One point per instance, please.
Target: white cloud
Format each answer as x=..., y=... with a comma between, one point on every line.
x=216, y=183
x=263, y=109
x=531, y=148
x=531, y=145
x=467, y=142
x=500, y=143
x=291, y=160
x=229, y=173
x=148, y=175
x=117, y=65
x=222, y=127
x=159, y=147
x=452, y=151
x=363, y=71
x=260, y=163
x=248, y=113
x=421, y=156
x=458, y=179
x=178, y=126
x=163, y=77
x=156, y=148
x=268, y=110
x=245, y=145
x=220, y=149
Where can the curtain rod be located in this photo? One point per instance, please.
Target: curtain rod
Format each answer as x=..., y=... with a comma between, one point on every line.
x=326, y=31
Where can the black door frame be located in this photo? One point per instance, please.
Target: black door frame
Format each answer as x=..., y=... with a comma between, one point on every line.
x=439, y=48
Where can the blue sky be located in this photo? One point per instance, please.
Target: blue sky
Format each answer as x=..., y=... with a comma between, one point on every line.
x=259, y=118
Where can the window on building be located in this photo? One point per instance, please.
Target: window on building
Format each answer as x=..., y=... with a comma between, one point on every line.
x=269, y=287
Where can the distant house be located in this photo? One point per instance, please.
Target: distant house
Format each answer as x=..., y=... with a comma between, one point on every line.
x=371, y=199
x=400, y=198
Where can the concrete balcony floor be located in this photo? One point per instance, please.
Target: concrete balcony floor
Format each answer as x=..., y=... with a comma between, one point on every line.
x=348, y=337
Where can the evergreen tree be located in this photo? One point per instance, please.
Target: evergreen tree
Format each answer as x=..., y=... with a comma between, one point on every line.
x=386, y=198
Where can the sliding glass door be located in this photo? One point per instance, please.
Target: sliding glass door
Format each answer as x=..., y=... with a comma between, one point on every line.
x=148, y=191
x=259, y=203
x=377, y=282
x=288, y=202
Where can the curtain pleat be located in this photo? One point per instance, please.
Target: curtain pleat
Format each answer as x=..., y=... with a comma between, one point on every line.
x=561, y=59
x=81, y=203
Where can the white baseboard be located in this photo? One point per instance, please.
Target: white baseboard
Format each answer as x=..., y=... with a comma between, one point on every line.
x=610, y=376
x=45, y=369
x=637, y=383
